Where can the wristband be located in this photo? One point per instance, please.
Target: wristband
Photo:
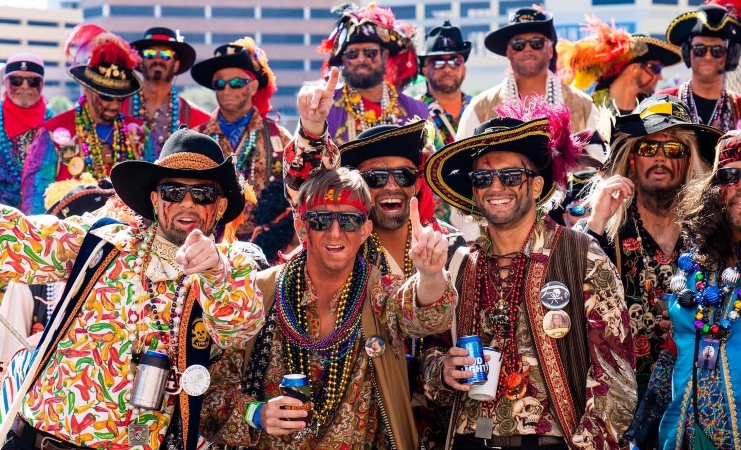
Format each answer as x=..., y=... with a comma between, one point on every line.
x=256, y=419
x=249, y=415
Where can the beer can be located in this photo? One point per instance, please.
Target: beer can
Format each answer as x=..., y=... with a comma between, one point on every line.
x=297, y=386
x=479, y=367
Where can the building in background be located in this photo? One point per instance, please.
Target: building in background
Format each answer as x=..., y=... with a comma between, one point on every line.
x=41, y=32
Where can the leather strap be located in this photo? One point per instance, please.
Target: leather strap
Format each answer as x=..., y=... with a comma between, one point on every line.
x=41, y=440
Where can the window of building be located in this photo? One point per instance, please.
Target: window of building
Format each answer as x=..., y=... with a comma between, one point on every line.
x=288, y=111
x=288, y=91
x=129, y=36
x=612, y=2
x=316, y=39
x=95, y=11
x=468, y=29
x=10, y=41
x=225, y=38
x=438, y=11
x=666, y=2
x=195, y=38
x=51, y=63
x=52, y=83
x=43, y=43
x=71, y=84
x=182, y=11
x=695, y=2
x=316, y=65
x=10, y=21
x=296, y=39
x=282, y=13
x=505, y=7
x=323, y=13
x=475, y=9
x=287, y=64
x=232, y=12
x=42, y=23
x=405, y=12
x=69, y=25
x=117, y=10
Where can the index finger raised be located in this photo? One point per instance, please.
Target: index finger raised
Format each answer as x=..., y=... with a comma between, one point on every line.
x=334, y=76
x=414, y=217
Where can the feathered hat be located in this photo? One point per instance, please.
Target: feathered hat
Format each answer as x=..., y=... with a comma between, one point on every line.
x=373, y=24
x=241, y=54
x=109, y=69
x=537, y=130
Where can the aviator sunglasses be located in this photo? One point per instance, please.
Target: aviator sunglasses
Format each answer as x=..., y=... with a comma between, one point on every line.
x=234, y=83
x=322, y=220
x=481, y=179
x=438, y=62
x=151, y=53
x=369, y=53
x=17, y=81
x=727, y=175
x=377, y=178
x=716, y=51
x=201, y=194
x=536, y=43
x=672, y=149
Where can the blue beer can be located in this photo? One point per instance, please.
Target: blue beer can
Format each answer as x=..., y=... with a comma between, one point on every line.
x=476, y=351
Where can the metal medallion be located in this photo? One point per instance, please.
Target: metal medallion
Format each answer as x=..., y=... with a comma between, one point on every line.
x=138, y=434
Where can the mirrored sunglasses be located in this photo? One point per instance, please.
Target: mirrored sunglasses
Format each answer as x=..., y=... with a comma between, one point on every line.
x=727, y=175
x=151, y=53
x=201, y=194
x=322, y=220
x=654, y=68
x=234, y=83
x=672, y=149
x=377, y=178
x=482, y=179
x=536, y=43
x=368, y=53
x=17, y=81
x=438, y=62
x=716, y=51
x=578, y=210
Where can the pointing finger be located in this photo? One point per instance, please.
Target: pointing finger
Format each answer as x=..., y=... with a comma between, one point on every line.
x=334, y=75
x=414, y=217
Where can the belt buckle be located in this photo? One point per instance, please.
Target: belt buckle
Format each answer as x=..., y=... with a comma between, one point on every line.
x=47, y=439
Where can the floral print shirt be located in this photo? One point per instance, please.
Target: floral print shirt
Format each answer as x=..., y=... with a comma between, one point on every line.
x=442, y=130
x=82, y=394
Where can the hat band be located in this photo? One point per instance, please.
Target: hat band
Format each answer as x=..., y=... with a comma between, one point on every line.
x=161, y=37
x=666, y=109
x=187, y=160
x=104, y=81
x=24, y=66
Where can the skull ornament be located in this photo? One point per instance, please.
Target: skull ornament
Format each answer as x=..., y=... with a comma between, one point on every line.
x=200, y=335
x=526, y=412
x=636, y=318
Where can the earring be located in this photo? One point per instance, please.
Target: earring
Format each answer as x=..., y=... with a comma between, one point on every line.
x=632, y=161
x=303, y=231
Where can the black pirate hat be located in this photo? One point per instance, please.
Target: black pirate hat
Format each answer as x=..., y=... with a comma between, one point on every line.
x=386, y=140
x=523, y=20
x=445, y=40
x=173, y=39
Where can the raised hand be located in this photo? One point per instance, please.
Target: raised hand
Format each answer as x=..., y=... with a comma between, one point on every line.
x=429, y=250
x=314, y=103
x=197, y=254
x=610, y=194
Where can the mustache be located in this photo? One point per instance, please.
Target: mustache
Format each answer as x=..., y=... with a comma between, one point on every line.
x=662, y=167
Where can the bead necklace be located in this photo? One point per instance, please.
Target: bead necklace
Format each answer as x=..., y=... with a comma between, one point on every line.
x=354, y=105
x=707, y=297
x=14, y=155
x=500, y=297
x=719, y=115
x=139, y=107
x=244, y=151
x=553, y=90
x=375, y=254
x=92, y=146
x=338, y=349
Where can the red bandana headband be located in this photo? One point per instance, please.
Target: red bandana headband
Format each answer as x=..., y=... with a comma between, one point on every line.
x=330, y=197
x=729, y=148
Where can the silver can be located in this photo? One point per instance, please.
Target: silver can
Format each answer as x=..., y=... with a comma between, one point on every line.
x=150, y=381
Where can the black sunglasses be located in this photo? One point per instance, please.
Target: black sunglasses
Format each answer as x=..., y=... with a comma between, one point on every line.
x=17, y=81
x=108, y=98
x=578, y=210
x=536, y=43
x=438, y=62
x=672, y=149
x=377, y=178
x=654, y=68
x=322, y=220
x=481, y=179
x=727, y=175
x=234, y=83
x=716, y=51
x=369, y=53
x=201, y=194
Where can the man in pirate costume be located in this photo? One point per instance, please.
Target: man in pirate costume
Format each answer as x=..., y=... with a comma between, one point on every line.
x=576, y=391
x=622, y=68
x=528, y=42
x=95, y=135
x=244, y=83
x=710, y=38
x=165, y=54
x=321, y=329
x=22, y=112
x=655, y=151
x=377, y=56
x=443, y=65
x=163, y=292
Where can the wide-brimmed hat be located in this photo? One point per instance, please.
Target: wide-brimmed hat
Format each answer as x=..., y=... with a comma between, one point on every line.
x=523, y=20
x=660, y=113
x=707, y=20
x=110, y=67
x=79, y=200
x=173, y=39
x=445, y=40
x=227, y=56
x=658, y=50
x=406, y=141
x=186, y=154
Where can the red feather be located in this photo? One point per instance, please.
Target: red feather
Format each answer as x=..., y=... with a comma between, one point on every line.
x=80, y=38
x=101, y=46
x=733, y=6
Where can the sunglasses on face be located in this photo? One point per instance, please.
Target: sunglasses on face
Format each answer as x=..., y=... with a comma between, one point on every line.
x=536, y=43
x=201, y=194
x=727, y=175
x=439, y=62
x=654, y=68
x=368, y=53
x=234, y=83
x=377, y=178
x=322, y=220
x=481, y=179
x=17, y=81
x=716, y=51
x=672, y=149
x=151, y=53
x=578, y=210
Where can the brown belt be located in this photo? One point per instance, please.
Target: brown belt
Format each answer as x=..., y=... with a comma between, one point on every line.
x=41, y=440
x=511, y=441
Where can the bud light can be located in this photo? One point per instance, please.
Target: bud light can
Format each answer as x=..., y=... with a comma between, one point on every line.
x=476, y=351
x=297, y=386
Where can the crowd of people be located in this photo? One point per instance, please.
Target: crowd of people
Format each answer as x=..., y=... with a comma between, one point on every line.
x=177, y=279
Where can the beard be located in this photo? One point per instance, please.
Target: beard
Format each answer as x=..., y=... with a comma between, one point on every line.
x=374, y=78
x=159, y=72
x=540, y=65
x=385, y=222
x=505, y=218
x=446, y=88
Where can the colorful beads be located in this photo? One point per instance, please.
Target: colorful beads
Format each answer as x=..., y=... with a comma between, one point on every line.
x=685, y=262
